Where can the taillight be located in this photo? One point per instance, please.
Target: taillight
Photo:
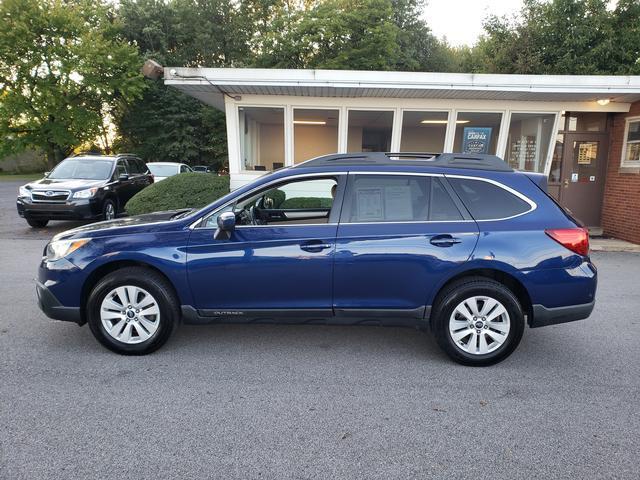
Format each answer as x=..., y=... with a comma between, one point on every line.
x=575, y=239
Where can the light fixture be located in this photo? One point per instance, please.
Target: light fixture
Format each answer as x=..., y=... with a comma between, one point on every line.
x=153, y=70
x=442, y=122
x=309, y=122
x=603, y=101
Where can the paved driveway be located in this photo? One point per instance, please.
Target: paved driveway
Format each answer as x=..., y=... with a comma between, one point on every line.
x=313, y=402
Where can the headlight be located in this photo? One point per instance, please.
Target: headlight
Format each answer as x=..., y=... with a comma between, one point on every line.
x=61, y=248
x=24, y=192
x=88, y=193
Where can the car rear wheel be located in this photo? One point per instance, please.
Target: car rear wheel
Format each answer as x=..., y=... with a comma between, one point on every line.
x=478, y=321
x=132, y=311
x=109, y=210
x=37, y=223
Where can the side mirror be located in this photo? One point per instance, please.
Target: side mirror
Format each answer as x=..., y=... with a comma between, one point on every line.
x=226, y=225
x=123, y=177
x=46, y=174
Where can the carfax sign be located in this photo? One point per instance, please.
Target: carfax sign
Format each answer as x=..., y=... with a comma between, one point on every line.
x=476, y=139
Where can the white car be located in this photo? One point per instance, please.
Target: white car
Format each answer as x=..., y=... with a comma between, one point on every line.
x=162, y=170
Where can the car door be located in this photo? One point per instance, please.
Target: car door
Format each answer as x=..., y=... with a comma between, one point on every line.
x=122, y=182
x=279, y=258
x=138, y=173
x=399, y=234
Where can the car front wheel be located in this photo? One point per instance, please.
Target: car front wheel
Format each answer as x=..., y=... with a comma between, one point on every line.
x=478, y=321
x=109, y=210
x=132, y=311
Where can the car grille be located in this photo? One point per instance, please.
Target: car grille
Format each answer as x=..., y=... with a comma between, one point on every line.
x=50, y=196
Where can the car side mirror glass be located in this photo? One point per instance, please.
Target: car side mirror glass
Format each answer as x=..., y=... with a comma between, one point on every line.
x=123, y=176
x=226, y=225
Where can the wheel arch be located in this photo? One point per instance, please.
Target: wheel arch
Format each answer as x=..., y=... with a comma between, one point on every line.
x=106, y=269
x=505, y=278
x=114, y=198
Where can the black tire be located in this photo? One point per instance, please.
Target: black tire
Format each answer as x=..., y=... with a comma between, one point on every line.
x=159, y=288
x=37, y=223
x=463, y=289
x=107, y=207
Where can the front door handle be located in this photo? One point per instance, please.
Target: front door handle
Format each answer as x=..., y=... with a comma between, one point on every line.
x=444, y=240
x=314, y=246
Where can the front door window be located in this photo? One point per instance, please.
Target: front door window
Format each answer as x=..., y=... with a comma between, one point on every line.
x=297, y=202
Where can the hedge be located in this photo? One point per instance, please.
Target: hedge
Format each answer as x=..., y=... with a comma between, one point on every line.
x=307, y=202
x=186, y=190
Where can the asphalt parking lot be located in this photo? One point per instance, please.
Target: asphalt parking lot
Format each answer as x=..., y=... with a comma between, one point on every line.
x=313, y=402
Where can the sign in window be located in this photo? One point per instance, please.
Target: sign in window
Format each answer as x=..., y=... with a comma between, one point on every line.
x=528, y=140
x=477, y=132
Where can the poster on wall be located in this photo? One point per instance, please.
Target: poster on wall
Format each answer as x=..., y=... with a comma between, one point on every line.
x=476, y=139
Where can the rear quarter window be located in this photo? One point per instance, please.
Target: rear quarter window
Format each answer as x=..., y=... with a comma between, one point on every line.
x=486, y=201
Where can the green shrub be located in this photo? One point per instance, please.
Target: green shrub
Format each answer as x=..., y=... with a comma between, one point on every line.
x=186, y=190
x=307, y=202
x=277, y=196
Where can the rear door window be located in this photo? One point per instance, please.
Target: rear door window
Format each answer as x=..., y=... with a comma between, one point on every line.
x=397, y=198
x=487, y=201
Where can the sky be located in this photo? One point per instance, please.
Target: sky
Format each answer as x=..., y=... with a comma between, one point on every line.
x=461, y=20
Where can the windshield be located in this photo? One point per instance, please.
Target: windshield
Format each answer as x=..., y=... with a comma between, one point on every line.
x=82, y=169
x=163, y=170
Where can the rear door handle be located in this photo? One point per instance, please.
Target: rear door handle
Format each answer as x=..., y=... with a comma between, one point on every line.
x=315, y=246
x=444, y=240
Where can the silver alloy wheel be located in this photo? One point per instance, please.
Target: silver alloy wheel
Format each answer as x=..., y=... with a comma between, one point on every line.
x=130, y=314
x=479, y=325
x=109, y=212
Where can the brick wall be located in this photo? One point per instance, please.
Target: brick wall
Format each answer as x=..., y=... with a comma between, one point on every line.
x=621, y=203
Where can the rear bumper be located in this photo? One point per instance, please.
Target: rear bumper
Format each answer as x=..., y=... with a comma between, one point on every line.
x=74, y=210
x=52, y=308
x=543, y=316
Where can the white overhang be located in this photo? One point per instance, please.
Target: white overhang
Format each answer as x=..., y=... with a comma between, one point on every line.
x=210, y=85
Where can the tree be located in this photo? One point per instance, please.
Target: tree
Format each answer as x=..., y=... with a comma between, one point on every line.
x=563, y=37
x=165, y=124
x=63, y=69
x=350, y=34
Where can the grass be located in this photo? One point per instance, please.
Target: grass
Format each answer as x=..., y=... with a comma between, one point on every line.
x=5, y=177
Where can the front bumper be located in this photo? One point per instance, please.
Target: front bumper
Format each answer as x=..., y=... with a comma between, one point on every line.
x=78, y=209
x=52, y=308
x=543, y=316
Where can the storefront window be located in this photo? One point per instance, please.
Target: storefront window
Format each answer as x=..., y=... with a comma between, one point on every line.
x=369, y=131
x=423, y=131
x=528, y=140
x=315, y=133
x=261, y=138
x=631, y=152
x=477, y=132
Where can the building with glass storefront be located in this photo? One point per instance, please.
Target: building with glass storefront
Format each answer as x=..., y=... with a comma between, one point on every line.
x=581, y=131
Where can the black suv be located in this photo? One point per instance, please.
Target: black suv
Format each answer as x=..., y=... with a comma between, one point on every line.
x=84, y=187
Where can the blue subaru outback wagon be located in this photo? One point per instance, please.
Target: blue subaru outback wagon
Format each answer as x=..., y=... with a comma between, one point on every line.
x=460, y=245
